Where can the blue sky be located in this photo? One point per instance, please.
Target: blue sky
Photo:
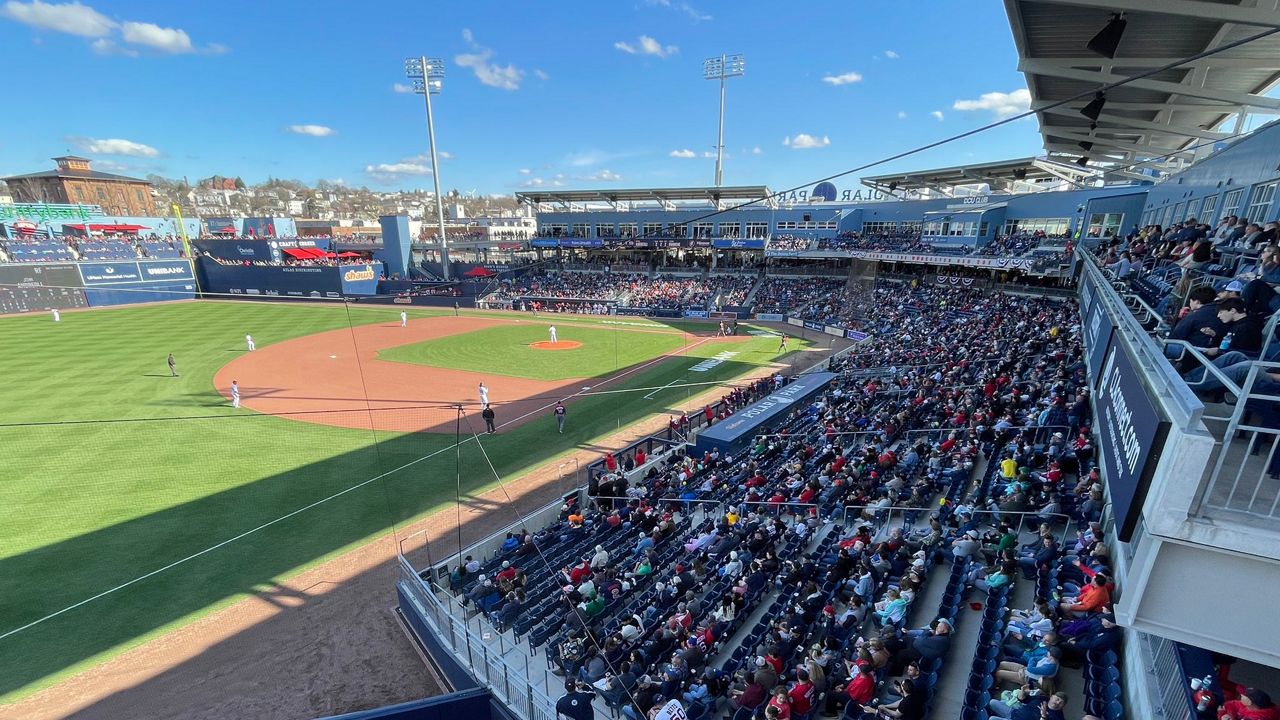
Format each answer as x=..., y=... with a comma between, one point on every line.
x=550, y=94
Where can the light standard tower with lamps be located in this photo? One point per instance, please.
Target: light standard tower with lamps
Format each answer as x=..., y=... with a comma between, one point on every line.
x=721, y=68
x=427, y=75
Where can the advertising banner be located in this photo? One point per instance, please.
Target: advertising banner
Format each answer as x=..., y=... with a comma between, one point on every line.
x=300, y=281
x=833, y=330
x=109, y=273
x=855, y=335
x=239, y=249
x=360, y=279
x=719, y=315
x=695, y=314
x=1098, y=329
x=579, y=242
x=740, y=427
x=771, y=317
x=167, y=270
x=816, y=327
x=1131, y=435
x=733, y=244
x=795, y=321
x=1087, y=294
x=544, y=242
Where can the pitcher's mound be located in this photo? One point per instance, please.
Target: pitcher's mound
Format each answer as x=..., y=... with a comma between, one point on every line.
x=559, y=345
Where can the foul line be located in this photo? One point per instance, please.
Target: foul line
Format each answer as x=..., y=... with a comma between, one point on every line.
x=317, y=503
x=664, y=387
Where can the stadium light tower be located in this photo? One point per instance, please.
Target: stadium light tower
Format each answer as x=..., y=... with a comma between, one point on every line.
x=427, y=75
x=722, y=68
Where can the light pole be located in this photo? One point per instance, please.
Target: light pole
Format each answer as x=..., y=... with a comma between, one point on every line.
x=427, y=75
x=720, y=68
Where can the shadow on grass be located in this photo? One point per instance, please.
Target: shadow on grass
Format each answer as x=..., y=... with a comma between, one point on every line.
x=47, y=579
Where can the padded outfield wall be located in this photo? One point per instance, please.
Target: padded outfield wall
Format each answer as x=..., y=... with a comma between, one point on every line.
x=38, y=287
x=284, y=281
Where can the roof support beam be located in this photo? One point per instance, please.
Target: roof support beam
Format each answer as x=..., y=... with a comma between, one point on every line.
x=1104, y=142
x=1270, y=62
x=1166, y=128
x=1182, y=8
x=1053, y=69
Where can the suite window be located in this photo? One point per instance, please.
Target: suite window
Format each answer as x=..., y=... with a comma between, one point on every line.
x=757, y=230
x=1105, y=225
x=627, y=230
x=1209, y=213
x=1231, y=203
x=1260, y=202
x=581, y=230
x=652, y=229
x=730, y=230
x=604, y=231
x=703, y=229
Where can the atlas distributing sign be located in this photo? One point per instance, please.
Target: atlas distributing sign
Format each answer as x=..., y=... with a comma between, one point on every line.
x=48, y=212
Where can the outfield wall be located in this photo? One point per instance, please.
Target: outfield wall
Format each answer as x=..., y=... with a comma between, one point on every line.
x=40, y=287
x=315, y=281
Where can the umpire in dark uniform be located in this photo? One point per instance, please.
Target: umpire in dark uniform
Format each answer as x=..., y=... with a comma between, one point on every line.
x=487, y=414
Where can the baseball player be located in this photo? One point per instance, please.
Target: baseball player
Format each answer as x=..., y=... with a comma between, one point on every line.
x=487, y=414
x=235, y=394
x=57, y=316
x=552, y=329
x=404, y=319
x=173, y=366
x=559, y=413
x=783, y=346
x=248, y=340
x=484, y=394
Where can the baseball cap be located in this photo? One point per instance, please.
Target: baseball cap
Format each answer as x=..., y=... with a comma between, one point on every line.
x=1259, y=698
x=1235, y=286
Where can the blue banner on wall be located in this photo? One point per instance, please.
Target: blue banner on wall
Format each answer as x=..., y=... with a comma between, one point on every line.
x=1098, y=329
x=544, y=242
x=361, y=279
x=238, y=249
x=167, y=270
x=855, y=335
x=737, y=244
x=580, y=242
x=737, y=429
x=818, y=327
x=109, y=273
x=1131, y=434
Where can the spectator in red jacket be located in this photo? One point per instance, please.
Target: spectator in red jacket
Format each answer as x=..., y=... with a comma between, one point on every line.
x=1253, y=704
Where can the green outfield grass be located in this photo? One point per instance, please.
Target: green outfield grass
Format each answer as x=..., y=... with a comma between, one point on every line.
x=112, y=469
x=506, y=350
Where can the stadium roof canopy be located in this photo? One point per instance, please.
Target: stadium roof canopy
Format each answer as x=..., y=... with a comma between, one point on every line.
x=668, y=198
x=1014, y=176
x=1166, y=117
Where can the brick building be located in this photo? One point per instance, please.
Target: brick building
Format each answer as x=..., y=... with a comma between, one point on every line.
x=75, y=182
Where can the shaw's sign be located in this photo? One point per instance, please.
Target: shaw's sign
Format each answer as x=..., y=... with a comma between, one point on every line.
x=356, y=275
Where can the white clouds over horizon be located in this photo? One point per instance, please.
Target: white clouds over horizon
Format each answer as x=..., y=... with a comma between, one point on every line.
x=1002, y=104
x=804, y=141
x=115, y=146
x=646, y=45
x=937, y=115
x=504, y=77
x=684, y=153
x=311, y=130
x=843, y=78
x=75, y=18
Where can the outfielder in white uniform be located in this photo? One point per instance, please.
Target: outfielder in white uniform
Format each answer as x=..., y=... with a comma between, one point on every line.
x=248, y=340
x=235, y=394
x=484, y=394
x=57, y=316
x=552, y=330
x=404, y=318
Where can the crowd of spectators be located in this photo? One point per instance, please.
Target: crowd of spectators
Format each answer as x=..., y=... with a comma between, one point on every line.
x=642, y=599
x=882, y=242
x=115, y=247
x=1016, y=245
x=784, y=294
x=664, y=292
x=790, y=242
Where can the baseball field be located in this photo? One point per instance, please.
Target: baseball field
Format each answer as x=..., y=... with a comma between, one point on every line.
x=137, y=501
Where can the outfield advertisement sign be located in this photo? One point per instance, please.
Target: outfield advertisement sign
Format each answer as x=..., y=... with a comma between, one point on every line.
x=816, y=327
x=701, y=314
x=855, y=335
x=833, y=330
x=166, y=270
x=1131, y=434
x=731, y=244
x=109, y=273
x=771, y=317
x=795, y=321
x=736, y=430
x=360, y=279
x=313, y=281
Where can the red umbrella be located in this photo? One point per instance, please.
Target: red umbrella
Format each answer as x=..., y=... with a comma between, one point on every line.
x=479, y=271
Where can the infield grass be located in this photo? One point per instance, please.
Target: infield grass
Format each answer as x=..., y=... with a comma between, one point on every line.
x=506, y=350
x=112, y=469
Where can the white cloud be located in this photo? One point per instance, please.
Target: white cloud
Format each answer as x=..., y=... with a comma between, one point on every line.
x=170, y=40
x=843, y=78
x=686, y=153
x=587, y=159
x=396, y=171
x=401, y=88
x=902, y=114
x=1002, y=104
x=525, y=171
x=312, y=130
x=539, y=182
x=603, y=176
x=756, y=150
x=445, y=155
x=541, y=74
x=646, y=45
x=803, y=141
x=115, y=146
x=506, y=77
x=937, y=114
x=891, y=55
x=107, y=46
x=71, y=18
x=692, y=12
x=709, y=154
